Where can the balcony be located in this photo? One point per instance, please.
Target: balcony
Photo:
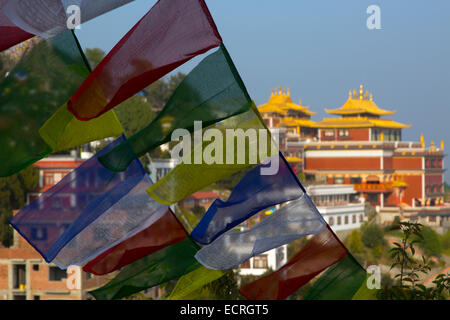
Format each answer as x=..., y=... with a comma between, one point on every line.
x=374, y=187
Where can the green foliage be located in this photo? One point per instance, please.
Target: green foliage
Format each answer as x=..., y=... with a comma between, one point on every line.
x=409, y=286
x=431, y=243
x=355, y=244
x=224, y=288
x=445, y=243
x=134, y=114
x=372, y=235
x=13, y=192
x=199, y=211
x=94, y=56
x=159, y=92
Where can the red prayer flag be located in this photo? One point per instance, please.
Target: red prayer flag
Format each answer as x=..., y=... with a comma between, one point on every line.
x=322, y=251
x=10, y=35
x=165, y=231
x=171, y=33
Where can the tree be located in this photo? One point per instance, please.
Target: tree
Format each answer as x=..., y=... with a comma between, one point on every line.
x=13, y=191
x=159, y=92
x=94, y=56
x=372, y=235
x=409, y=286
x=199, y=211
x=355, y=244
x=430, y=243
x=445, y=242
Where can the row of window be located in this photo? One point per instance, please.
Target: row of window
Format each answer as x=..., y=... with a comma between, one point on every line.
x=433, y=163
x=388, y=135
x=326, y=199
x=338, y=221
x=435, y=188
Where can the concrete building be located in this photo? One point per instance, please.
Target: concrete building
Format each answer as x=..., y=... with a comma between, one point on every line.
x=340, y=205
x=24, y=274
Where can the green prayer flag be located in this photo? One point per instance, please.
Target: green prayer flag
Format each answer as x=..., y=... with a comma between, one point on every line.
x=340, y=282
x=188, y=285
x=164, y=265
x=211, y=92
x=364, y=293
x=239, y=142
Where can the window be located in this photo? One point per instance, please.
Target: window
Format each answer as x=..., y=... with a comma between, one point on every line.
x=361, y=218
x=246, y=264
x=35, y=267
x=346, y=220
x=19, y=276
x=432, y=219
x=343, y=132
x=260, y=262
x=338, y=180
x=328, y=133
x=339, y=221
x=355, y=180
x=48, y=180
x=331, y=221
x=88, y=275
x=56, y=274
x=36, y=298
x=353, y=218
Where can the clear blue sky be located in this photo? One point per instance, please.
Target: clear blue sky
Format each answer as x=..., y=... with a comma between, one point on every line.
x=321, y=49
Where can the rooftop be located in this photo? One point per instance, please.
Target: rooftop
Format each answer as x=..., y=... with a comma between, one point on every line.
x=360, y=104
x=280, y=102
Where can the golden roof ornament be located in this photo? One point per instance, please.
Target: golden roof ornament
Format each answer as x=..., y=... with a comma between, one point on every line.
x=433, y=146
x=361, y=92
x=442, y=144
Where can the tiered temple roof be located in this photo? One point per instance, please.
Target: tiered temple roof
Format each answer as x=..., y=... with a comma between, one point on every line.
x=280, y=102
x=360, y=111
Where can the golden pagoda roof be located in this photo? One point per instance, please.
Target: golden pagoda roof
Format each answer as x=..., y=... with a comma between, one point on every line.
x=296, y=122
x=280, y=102
x=360, y=122
x=358, y=104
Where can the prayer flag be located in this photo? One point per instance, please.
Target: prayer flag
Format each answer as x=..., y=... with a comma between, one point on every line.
x=252, y=194
x=47, y=18
x=364, y=293
x=10, y=34
x=296, y=219
x=126, y=218
x=340, y=282
x=211, y=92
x=171, y=33
x=165, y=231
x=322, y=251
x=239, y=142
x=50, y=222
x=190, y=283
x=164, y=265
x=46, y=74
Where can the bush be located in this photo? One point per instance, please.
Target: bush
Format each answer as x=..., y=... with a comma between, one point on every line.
x=430, y=243
x=355, y=243
x=372, y=236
